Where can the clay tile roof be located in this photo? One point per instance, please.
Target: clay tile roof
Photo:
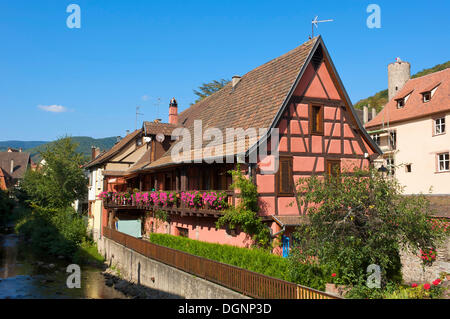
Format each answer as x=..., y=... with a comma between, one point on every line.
x=21, y=162
x=252, y=103
x=439, y=205
x=414, y=106
x=103, y=157
x=153, y=128
x=143, y=161
x=294, y=220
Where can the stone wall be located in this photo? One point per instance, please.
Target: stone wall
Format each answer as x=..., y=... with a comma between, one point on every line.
x=153, y=274
x=412, y=269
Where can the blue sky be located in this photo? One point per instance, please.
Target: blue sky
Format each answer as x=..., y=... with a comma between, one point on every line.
x=88, y=81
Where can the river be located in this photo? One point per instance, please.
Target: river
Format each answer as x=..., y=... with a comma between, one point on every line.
x=23, y=275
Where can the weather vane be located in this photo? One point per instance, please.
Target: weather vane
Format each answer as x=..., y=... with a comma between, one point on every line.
x=315, y=22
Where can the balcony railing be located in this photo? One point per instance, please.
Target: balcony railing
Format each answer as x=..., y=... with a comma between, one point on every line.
x=188, y=202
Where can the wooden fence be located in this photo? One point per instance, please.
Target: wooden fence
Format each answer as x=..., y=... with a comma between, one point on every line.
x=246, y=282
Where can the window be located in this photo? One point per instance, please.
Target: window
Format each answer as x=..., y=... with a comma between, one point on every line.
x=443, y=162
x=376, y=138
x=316, y=122
x=393, y=140
x=139, y=142
x=408, y=168
x=400, y=103
x=390, y=163
x=333, y=167
x=426, y=96
x=439, y=126
x=284, y=178
x=183, y=232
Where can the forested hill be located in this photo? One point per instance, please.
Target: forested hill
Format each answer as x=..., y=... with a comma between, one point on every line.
x=85, y=144
x=381, y=98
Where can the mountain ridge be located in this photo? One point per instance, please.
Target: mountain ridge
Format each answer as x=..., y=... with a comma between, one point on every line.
x=85, y=144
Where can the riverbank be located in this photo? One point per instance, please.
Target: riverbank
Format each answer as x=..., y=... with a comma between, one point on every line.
x=26, y=275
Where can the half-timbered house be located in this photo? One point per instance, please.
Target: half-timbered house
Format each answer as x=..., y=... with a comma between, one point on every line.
x=317, y=132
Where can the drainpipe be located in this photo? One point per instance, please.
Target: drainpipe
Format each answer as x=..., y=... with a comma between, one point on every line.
x=278, y=232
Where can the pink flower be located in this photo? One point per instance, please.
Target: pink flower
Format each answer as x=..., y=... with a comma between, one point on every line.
x=414, y=285
x=426, y=286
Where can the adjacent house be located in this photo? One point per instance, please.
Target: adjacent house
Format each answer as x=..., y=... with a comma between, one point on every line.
x=112, y=170
x=411, y=130
x=305, y=124
x=13, y=166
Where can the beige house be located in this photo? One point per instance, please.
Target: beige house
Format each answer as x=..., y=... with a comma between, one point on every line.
x=412, y=133
x=103, y=169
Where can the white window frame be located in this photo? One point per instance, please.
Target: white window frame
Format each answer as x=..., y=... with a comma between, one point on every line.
x=441, y=126
x=445, y=159
x=376, y=139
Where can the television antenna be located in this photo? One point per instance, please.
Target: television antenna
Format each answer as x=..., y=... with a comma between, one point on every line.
x=158, y=102
x=137, y=114
x=315, y=22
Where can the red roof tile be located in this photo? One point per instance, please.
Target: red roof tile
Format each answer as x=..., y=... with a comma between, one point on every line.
x=414, y=106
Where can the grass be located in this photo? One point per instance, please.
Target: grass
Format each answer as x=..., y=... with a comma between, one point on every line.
x=87, y=253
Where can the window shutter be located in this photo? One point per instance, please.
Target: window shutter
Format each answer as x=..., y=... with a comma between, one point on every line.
x=285, y=176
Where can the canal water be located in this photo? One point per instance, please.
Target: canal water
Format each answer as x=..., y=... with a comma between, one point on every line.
x=23, y=275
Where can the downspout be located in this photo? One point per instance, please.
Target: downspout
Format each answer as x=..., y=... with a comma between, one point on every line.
x=278, y=232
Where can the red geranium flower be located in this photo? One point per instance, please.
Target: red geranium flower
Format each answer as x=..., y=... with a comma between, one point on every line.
x=426, y=286
x=333, y=275
x=436, y=282
x=414, y=285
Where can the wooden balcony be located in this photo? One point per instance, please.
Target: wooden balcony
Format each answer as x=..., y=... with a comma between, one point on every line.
x=129, y=204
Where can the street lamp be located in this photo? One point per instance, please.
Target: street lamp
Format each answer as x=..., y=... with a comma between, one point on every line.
x=383, y=170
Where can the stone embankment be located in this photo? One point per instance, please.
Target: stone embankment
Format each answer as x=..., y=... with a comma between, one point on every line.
x=132, y=289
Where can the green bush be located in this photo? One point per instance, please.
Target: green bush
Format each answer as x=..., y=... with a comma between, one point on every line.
x=6, y=207
x=57, y=232
x=255, y=259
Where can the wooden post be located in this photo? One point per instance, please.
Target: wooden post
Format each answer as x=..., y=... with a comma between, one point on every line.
x=184, y=185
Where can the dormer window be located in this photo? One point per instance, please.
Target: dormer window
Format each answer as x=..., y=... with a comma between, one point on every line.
x=400, y=103
x=426, y=96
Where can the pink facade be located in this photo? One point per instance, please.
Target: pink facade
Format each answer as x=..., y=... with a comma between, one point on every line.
x=317, y=132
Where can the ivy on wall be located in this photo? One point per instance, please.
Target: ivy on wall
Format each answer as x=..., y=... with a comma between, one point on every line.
x=245, y=214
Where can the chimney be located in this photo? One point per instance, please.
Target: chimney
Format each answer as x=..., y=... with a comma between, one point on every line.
x=365, y=114
x=173, y=112
x=374, y=113
x=20, y=150
x=127, y=132
x=398, y=74
x=235, y=80
x=95, y=151
x=12, y=166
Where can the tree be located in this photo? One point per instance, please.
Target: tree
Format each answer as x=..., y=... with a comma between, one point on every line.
x=61, y=180
x=209, y=88
x=359, y=219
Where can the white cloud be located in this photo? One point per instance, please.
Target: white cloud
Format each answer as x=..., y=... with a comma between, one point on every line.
x=53, y=108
